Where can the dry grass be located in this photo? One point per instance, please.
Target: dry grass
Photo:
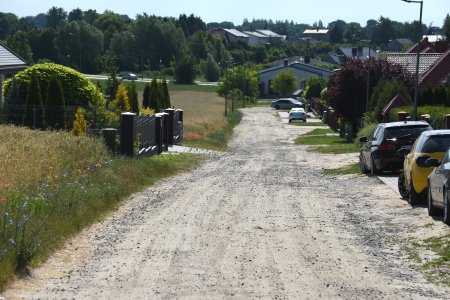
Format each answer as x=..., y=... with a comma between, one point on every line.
x=27, y=157
x=203, y=111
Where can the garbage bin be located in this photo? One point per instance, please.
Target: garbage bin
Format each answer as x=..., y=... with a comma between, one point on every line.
x=109, y=136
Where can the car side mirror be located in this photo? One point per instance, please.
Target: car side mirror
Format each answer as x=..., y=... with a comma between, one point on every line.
x=420, y=161
x=432, y=162
x=363, y=139
x=403, y=151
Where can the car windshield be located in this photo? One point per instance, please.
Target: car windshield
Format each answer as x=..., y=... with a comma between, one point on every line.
x=439, y=143
x=405, y=131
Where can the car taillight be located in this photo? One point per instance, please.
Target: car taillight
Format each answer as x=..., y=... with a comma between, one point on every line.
x=387, y=147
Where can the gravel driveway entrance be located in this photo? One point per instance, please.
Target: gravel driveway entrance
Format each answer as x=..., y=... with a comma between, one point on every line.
x=260, y=222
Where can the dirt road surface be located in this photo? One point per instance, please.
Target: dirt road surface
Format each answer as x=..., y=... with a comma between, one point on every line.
x=262, y=221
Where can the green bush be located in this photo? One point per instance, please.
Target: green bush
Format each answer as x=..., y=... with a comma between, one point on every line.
x=436, y=113
x=365, y=131
x=78, y=90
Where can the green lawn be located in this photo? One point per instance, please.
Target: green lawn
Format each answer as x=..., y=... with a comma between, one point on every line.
x=350, y=169
x=310, y=124
x=326, y=143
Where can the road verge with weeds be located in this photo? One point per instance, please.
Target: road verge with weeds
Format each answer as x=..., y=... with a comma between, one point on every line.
x=37, y=215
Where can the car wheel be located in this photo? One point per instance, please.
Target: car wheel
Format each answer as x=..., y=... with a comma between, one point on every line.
x=446, y=208
x=414, y=197
x=362, y=165
x=432, y=211
x=402, y=186
x=374, y=171
x=277, y=107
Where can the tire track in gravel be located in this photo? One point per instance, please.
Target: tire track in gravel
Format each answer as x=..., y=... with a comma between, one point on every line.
x=260, y=222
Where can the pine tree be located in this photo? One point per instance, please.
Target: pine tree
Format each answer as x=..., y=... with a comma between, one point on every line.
x=55, y=114
x=166, y=95
x=133, y=96
x=155, y=95
x=121, y=103
x=146, y=96
x=79, y=123
x=34, y=112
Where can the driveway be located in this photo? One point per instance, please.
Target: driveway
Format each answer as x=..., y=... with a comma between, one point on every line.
x=262, y=221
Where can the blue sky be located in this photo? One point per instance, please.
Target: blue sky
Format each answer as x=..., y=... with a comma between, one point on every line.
x=300, y=11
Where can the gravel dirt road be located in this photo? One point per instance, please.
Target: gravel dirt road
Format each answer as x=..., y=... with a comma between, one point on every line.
x=262, y=221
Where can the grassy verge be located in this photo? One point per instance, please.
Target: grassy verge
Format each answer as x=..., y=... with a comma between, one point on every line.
x=325, y=143
x=312, y=124
x=74, y=189
x=436, y=267
x=215, y=139
x=351, y=169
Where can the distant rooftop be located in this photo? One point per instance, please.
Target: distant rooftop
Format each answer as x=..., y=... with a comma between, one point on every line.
x=9, y=61
x=254, y=33
x=409, y=60
x=316, y=31
x=269, y=33
x=236, y=32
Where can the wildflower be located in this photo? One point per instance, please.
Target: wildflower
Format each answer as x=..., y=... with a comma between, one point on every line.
x=55, y=177
x=98, y=165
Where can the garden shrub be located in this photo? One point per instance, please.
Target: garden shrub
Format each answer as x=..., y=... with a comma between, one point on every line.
x=78, y=90
x=436, y=113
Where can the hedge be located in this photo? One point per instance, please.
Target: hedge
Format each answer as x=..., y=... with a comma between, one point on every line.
x=436, y=113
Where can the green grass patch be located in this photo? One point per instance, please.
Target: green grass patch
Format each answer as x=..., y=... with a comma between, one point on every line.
x=436, y=269
x=320, y=132
x=351, y=169
x=312, y=124
x=35, y=223
x=326, y=143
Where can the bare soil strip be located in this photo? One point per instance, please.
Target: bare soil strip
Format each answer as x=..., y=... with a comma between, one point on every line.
x=260, y=222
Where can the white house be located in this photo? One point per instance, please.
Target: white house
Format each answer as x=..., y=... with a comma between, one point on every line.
x=233, y=36
x=302, y=71
x=256, y=38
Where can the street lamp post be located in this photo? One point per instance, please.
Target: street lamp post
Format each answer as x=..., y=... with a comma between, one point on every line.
x=416, y=89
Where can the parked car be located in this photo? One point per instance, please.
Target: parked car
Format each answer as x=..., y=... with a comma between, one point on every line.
x=379, y=150
x=439, y=186
x=297, y=113
x=129, y=76
x=413, y=180
x=286, y=103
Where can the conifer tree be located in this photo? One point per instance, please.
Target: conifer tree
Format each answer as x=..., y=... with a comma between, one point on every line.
x=133, y=96
x=146, y=96
x=121, y=103
x=79, y=123
x=155, y=95
x=166, y=95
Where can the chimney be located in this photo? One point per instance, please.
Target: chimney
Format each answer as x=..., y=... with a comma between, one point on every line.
x=286, y=62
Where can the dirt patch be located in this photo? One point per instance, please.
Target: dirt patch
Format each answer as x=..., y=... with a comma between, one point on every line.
x=260, y=222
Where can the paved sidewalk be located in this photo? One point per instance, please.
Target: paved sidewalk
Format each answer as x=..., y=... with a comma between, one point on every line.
x=182, y=149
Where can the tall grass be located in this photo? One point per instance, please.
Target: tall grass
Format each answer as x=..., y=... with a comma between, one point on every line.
x=205, y=125
x=78, y=183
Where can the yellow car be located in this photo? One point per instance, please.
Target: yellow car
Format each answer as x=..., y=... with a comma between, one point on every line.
x=412, y=182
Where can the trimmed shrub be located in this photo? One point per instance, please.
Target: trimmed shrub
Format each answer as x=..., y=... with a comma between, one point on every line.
x=55, y=114
x=155, y=95
x=146, y=96
x=121, y=103
x=77, y=89
x=34, y=111
x=133, y=97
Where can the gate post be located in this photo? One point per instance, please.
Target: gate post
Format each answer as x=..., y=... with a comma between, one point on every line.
x=159, y=122
x=171, y=118
x=127, y=133
x=180, y=124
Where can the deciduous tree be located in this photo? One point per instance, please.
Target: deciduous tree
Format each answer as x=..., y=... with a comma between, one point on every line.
x=285, y=83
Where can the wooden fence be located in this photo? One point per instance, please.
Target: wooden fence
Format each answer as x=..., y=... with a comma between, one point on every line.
x=328, y=115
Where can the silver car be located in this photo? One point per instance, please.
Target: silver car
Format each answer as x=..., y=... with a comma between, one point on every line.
x=286, y=103
x=297, y=114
